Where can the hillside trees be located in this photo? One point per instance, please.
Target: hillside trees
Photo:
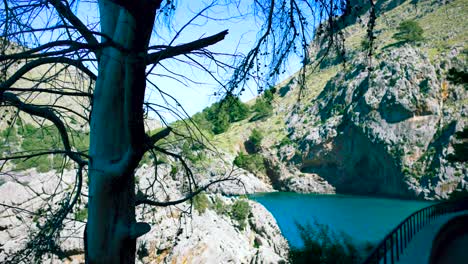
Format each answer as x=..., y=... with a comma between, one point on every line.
x=263, y=106
x=60, y=70
x=409, y=31
x=221, y=114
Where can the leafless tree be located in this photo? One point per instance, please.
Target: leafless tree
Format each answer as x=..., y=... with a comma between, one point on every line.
x=96, y=72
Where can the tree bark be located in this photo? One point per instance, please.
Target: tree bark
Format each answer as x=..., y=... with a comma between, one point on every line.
x=116, y=136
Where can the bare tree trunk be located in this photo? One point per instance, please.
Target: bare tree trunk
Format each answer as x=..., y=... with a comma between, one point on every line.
x=117, y=136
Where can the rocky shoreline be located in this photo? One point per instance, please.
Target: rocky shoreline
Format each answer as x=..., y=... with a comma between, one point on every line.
x=181, y=234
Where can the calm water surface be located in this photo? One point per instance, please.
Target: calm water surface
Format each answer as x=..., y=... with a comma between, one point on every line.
x=365, y=219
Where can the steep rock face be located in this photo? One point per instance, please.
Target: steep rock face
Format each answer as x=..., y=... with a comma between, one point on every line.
x=387, y=131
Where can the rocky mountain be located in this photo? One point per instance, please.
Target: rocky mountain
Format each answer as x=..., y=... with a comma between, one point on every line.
x=385, y=132
x=380, y=125
x=386, y=127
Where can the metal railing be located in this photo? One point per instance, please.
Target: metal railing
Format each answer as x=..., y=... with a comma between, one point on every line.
x=392, y=246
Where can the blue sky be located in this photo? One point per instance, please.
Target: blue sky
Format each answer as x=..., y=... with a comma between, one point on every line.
x=193, y=97
x=241, y=38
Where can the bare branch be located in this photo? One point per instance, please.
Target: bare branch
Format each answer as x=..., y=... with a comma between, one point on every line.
x=76, y=22
x=28, y=156
x=170, y=52
x=28, y=54
x=51, y=91
x=36, y=63
x=158, y=136
x=144, y=200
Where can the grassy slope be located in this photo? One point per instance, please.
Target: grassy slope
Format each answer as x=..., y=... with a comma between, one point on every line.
x=444, y=28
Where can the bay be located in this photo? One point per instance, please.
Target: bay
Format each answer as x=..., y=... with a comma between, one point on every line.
x=364, y=219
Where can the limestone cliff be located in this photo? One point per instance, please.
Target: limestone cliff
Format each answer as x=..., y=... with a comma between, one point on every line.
x=387, y=131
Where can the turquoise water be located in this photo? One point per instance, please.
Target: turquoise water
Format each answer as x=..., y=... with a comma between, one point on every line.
x=365, y=219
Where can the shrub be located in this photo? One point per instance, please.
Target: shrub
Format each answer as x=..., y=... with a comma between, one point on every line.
x=201, y=202
x=240, y=211
x=322, y=245
x=59, y=162
x=37, y=139
x=262, y=109
x=285, y=141
x=219, y=206
x=81, y=215
x=8, y=138
x=365, y=43
x=192, y=151
x=409, y=31
x=218, y=117
x=41, y=163
x=252, y=163
x=235, y=108
x=146, y=159
x=240, y=160
x=202, y=122
x=268, y=95
x=255, y=140
x=220, y=123
x=173, y=171
x=142, y=250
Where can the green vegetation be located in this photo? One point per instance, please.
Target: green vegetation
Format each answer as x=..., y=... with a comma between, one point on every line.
x=251, y=162
x=365, y=44
x=262, y=110
x=218, y=117
x=322, y=245
x=240, y=211
x=219, y=206
x=9, y=139
x=173, y=171
x=191, y=150
x=263, y=107
x=201, y=203
x=236, y=109
x=81, y=215
x=32, y=139
x=409, y=31
x=220, y=122
x=285, y=141
x=255, y=140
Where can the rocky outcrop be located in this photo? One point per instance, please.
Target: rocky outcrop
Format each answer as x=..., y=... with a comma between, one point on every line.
x=387, y=131
x=210, y=237
x=291, y=179
x=213, y=235
x=244, y=183
x=28, y=197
